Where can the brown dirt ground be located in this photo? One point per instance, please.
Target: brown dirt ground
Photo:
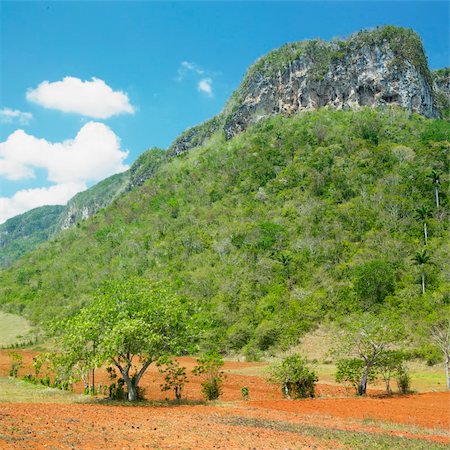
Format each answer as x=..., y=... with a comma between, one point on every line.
x=265, y=421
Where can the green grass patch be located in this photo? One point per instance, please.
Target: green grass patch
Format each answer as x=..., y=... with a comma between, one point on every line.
x=17, y=391
x=13, y=329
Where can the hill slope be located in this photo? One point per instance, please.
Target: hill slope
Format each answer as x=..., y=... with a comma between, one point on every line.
x=25, y=232
x=22, y=234
x=377, y=68
x=293, y=221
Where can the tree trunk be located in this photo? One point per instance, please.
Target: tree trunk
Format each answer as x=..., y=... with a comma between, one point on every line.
x=425, y=232
x=423, y=282
x=363, y=383
x=436, y=195
x=131, y=387
x=447, y=363
x=132, y=383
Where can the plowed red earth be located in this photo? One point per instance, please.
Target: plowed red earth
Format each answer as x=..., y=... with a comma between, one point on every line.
x=265, y=421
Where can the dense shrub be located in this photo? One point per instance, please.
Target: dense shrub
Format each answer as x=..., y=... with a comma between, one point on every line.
x=295, y=378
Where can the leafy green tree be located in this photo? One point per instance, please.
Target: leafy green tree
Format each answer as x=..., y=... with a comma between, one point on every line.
x=391, y=364
x=349, y=372
x=373, y=281
x=422, y=259
x=368, y=338
x=133, y=323
x=297, y=380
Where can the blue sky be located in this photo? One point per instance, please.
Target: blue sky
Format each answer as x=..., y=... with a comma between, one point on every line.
x=157, y=68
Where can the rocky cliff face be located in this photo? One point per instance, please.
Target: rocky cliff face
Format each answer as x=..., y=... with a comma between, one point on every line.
x=85, y=204
x=441, y=79
x=386, y=66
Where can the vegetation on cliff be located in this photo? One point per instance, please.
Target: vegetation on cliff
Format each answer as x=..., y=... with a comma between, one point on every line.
x=295, y=221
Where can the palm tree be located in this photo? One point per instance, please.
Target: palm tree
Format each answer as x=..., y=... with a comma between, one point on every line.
x=423, y=213
x=421, y=259
x=436, y=179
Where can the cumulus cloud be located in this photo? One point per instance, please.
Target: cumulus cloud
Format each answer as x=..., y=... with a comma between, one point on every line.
x=91, y=156
x=205, y=86
x=27, y=199
x=89, y=98
x=8, y=115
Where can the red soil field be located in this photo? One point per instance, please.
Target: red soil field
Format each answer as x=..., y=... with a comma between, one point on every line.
x=265, y=421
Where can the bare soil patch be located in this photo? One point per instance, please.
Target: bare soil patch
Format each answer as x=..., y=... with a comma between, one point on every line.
x=265, y=421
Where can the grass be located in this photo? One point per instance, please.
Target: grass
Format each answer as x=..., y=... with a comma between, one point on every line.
x=351, y=439
x=13, y=329
x=17, y=391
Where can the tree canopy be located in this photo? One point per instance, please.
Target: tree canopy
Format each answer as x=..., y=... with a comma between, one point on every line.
x=129, y=324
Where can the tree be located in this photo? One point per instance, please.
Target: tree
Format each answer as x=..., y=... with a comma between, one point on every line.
x=440, y=335
x=423, y=213
x=368, y=338
x=391, y=364
x=350, y=371
x=133, y=323
x=436, y=180
x=421, y=259
x=373, y=281
x=297, y=380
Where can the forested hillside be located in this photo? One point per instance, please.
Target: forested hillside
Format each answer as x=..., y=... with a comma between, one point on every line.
x=294, y=221
x=25, y=232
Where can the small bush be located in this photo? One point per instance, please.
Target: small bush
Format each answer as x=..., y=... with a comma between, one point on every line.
x=295, y=378
x=244, y=393
x=16, y=364
x=209, y=367
x=174, y=376
x=403, y=381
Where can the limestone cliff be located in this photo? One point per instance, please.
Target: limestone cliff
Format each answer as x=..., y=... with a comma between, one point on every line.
x=385, y=66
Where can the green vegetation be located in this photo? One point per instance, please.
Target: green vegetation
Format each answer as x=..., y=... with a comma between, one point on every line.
x=14, y=330
x=294, y=376
x=145, y=166
x=370, y=340
x=130, y=325
x=25, y=232
x=22, y=234
x=91, y=200
x=209, y=368
x=441, y=78
x=196, y=136
x=268, y=234
x=19, y=391
x=174, y=376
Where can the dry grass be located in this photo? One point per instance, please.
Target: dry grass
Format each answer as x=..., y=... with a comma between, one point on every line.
x=12, y=328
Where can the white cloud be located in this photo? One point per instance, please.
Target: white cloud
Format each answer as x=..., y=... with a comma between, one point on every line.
x=204, y=80
x=186, y=67
x=91, y=156
x=205, y=85
x=27, y=199
x=8, y=115
x=89, y=98
x=94, y=154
